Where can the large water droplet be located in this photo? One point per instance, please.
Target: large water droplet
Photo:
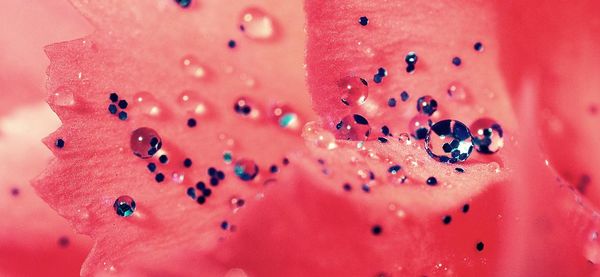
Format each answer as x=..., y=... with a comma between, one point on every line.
x=62, y=96
x=124, y=206
x=145, y=142
x=353, y=127
x=245, y=169
x=285, y=117
x=426, y=105
x=353, y=90
x=192, y=67
x=191, y=103
x=449, y=141
x=419, y=126
x=147, y=104
x=487, y=135
x=257, y=24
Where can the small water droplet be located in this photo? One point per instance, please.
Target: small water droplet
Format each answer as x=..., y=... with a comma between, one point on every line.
x=487, y=135
x=177, y=177
x=449, y=141
x=243, y=106
x=353, y=127
x=145, y=142
x=419, y=126
x=257, y=24
x=285, y=117
x=124, y=206
x=313, y=133
x=147, y=104
x=457, y=91
x=62, y=96
x=191, y=103
x=236, y=203
x=426, y=105
x=192, y=67
x=353, y=91
x=245, y=169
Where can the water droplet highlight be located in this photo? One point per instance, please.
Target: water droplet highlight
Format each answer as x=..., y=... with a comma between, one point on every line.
x=449, y=141
x=145, y=142
x=257, y=24
x=487, y=135
x=147, y=104
x=245, y=107
x=190, y=102
x=192, y=67
x=457, y=91
x=124, y=206
x=285, y=117
x=353, y=91
x=62, y=96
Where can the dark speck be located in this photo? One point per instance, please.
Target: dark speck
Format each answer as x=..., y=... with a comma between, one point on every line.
x=404, y=96
x=456, y=61
x=459, y=169
x=478, y=46
x=191, y=192
x=479, y=246
x=274, y=169
x=113, y=97
x=376, y=230
x=385, y=130
x=123, y=104
x=220, y=175
x=15, y=191
x=183, y=3
x=163, y=159
x=363, y=20
x=191, y=123
x=201, y=200
x=122, y=115
x=347, y=187
x=211, y=171
x=214, y=181
x=187, y=162
x=200, y=185
x=159, y=177
x=360, y=119
x=465, y=208
x=232, y=44
x=447, y=219
x=152, y=167
x=112, y=108
x=391, y=102
x=366, y=188
x=224, y=225
x=63, y=241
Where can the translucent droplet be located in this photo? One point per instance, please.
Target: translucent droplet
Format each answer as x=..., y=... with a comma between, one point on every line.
x=236, y=203
x=236, y=272
x=256, y=24
x=313, y=133
x=192, y=67
x=177, y=177
x=245, y=169
x=487, y=135
x=426, y=105
x=243, y=106
x=147, y=104
x=62, y=96
x=124, y=206
x=191, y=103
x=592, y=248
x=285, y=117
x=419, y=126
x=353, y=127
x=145, y=142
x=457, y=91
x=353, y=91
x=449, y=141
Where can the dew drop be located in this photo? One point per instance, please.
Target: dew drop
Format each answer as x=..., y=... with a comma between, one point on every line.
x=285, y=117
x=419, y=126
x=124, y=206
x=192, y=67
x=449, y=141
x=257, y=24
x=487, y=136
x=426, y=105
x=190, y=102
x=314, y=134
x=145, y=142
x=457, y=91
x=592, y=248
x=353, y=91
x=177, y=177
x=244, y=107
x=236, y=203
x=245, y=169
x=353, y=127
x=62, y=96
x=147, y=104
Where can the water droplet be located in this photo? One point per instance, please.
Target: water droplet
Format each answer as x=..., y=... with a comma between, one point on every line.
x=592, y=248
x=245, y=169
x=236, y=203
x=245, y=107
x=147, y=104
x=457, y=91
x=449, y=141
x=62, y=96
x=426, y=105
x=192, y=67
x=487, y=135
x=285, y=117
x=313, y=133
x=257, y=24
x=124, y=206
x=419, y=126
x=145, y=142
x=177, y=177
x=353, y=127
x=191, y=103
x=353, y=91
x=236, y=272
